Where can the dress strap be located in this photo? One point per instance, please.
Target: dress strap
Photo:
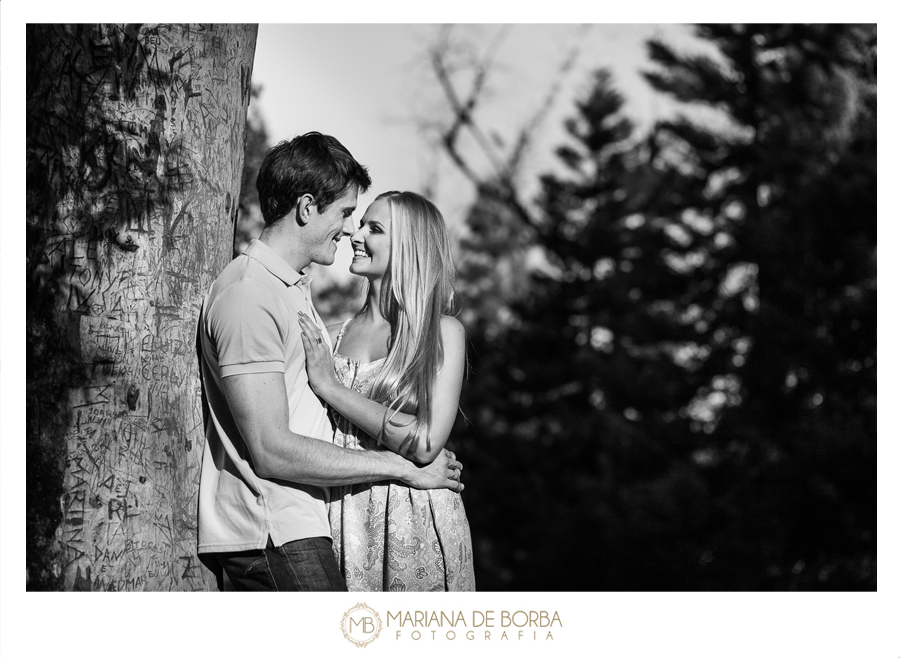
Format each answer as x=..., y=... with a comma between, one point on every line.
x=337, y=343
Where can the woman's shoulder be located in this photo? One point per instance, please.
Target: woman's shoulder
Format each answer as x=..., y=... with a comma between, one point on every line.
x=452, y=328
x=451, y=323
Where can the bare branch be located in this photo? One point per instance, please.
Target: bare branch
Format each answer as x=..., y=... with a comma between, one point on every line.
x=463, y=110
x=527, y=132
x=501, y=184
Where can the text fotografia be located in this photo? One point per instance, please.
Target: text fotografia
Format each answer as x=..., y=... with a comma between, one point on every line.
x=481, y=625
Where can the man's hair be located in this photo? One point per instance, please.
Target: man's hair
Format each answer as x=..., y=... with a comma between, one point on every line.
x=314, y=164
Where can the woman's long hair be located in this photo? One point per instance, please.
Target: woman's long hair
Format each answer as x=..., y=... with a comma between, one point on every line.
x=417, y=291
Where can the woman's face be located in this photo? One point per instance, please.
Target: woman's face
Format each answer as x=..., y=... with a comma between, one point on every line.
x=372, y=241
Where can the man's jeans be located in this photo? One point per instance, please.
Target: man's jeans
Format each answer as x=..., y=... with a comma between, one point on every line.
x=304, y=565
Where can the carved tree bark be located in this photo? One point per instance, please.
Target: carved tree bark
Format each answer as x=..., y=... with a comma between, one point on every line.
x=134, y=150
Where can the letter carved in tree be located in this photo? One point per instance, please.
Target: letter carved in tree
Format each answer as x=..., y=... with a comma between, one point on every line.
x=135, y=138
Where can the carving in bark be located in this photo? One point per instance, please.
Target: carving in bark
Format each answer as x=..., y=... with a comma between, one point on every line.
x=135, y=139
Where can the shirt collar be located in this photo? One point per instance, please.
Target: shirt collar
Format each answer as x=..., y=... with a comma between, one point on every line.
x=265, y=256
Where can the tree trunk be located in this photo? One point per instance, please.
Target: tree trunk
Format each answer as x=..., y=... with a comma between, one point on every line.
x=135, y=139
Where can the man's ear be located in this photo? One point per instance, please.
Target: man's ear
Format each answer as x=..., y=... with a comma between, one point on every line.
x=305, y=205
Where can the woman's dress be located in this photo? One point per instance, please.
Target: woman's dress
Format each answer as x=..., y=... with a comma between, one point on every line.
x=388, y=536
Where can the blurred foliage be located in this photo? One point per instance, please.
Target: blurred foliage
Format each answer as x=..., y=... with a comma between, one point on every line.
x=250, y=220
x=672, y=382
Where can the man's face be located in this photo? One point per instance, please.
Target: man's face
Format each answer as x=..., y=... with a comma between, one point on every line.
x=326, y=229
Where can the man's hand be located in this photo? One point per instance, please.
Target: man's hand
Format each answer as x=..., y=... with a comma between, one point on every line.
x=443, y=473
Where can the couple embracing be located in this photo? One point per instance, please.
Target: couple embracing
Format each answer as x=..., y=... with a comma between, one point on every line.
x=324, y=466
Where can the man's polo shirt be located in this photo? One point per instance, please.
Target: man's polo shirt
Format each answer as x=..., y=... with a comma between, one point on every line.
x=249, y=325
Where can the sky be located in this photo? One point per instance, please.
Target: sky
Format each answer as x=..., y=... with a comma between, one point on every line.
x=372, y=87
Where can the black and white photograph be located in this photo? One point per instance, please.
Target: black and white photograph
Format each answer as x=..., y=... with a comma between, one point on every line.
x=574, y=318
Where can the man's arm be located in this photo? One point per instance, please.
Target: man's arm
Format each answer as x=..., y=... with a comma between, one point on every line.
x=259, y=405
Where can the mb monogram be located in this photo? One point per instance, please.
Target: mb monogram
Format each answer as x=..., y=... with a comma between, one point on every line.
x=361, y=625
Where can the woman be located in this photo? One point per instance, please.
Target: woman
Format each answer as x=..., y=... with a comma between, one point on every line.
x=394, y=383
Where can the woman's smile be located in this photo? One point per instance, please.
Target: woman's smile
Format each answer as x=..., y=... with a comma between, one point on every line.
x=372, y=241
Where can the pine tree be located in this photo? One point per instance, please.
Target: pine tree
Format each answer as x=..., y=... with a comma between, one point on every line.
x=684, y=384
x=791, y=165
x=579, y=382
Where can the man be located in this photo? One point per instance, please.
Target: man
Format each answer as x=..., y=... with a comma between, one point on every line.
x=268, y=457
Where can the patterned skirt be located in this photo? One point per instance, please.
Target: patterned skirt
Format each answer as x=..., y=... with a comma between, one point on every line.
x=390, y=537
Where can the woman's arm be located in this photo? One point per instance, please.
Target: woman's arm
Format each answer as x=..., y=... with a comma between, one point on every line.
x=369, y=415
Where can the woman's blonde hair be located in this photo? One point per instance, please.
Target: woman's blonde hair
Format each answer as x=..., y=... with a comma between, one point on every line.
x=417, y=291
